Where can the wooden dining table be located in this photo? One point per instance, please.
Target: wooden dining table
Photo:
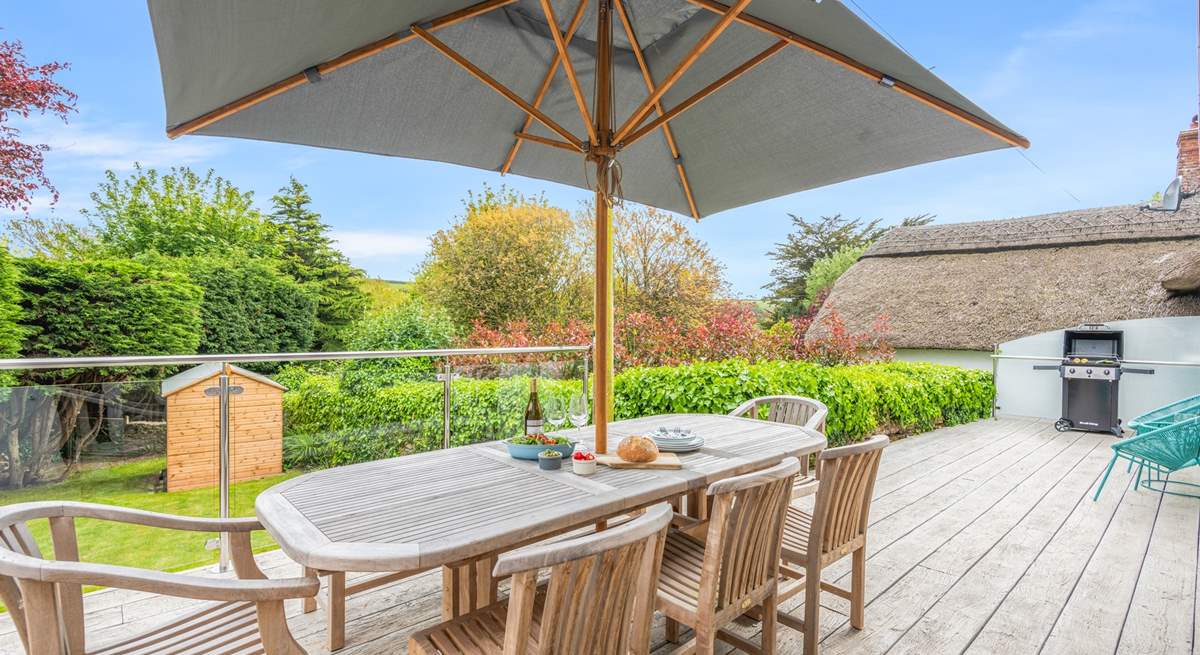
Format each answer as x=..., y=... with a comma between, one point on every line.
x=460, y=507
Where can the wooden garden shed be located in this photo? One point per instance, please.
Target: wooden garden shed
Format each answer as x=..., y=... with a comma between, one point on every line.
x=255, y=426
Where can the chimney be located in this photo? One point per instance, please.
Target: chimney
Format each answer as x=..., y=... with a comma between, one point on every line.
x=1187, y=165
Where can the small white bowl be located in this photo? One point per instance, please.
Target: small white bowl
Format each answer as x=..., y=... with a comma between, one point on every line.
x=583, y=467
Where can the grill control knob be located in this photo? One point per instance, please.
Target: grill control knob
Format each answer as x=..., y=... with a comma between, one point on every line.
x=1071, y=371
x=1107, y=372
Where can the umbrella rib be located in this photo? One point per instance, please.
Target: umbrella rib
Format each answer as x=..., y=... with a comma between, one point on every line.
x=541, y=94
x=546, y=141
x=958, y=113
x=726, y=20
x=324, y=68
x=687, y=104
x=496, y=86
x=641, y=60
x=569, y=68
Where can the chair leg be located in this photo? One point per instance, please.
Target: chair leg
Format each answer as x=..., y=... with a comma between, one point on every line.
x=1104, y=479
x=858, y=587
x=812, y=611
x=309, y=605
x=273, y=629
x=672, y=628
x=41, y=618
x=337, y=611
x=706, y=640
x=769, y=619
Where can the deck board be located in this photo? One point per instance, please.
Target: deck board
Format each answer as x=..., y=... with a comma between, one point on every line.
x=984, y=539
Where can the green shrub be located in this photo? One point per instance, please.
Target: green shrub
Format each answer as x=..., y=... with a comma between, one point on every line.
x=106, y=307
x=325, y=425
x=10, y=311
x=895, y=397
x=251, y=307
x=826, y=271
x=411, y=326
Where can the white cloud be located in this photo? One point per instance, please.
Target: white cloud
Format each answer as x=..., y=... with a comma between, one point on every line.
x=379, y=244
x=90, y=146
x=1103, y=19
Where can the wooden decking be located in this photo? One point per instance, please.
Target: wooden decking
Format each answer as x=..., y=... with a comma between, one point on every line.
x=984, y=539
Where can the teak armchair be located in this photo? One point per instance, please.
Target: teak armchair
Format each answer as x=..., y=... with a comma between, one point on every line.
x=707, y=584
x=836, y=528
x=600, y=597
x=46, y=601
x=794, y=410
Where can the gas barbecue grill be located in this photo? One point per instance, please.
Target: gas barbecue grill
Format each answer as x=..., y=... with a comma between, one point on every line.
x=1091, y=372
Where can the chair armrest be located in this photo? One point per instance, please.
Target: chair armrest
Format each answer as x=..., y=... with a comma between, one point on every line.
x=806, y=486
x=157, y=520
x=539, y=556
x=817, y=420
x=745, y=407
x=177, y=584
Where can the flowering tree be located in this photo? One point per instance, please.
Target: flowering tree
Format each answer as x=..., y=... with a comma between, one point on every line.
x=26, y=89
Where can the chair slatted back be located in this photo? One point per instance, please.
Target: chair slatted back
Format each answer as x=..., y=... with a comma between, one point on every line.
x=793, y=411
x=600, y=599
x=744, y=536
x=16, y=537
x=843, y=504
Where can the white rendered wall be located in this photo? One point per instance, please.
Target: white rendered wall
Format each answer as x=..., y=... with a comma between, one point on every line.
x=964, y=358
x=1023, y=391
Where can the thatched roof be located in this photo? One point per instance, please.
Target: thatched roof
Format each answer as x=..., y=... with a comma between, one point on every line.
x=974, y=285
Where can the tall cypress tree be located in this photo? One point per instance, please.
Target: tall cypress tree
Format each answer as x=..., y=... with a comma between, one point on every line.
x=309, y=257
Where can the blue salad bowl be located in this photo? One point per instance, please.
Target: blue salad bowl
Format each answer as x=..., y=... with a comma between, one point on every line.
x=530, y=451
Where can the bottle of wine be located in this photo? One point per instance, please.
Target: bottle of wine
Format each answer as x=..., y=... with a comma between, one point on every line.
x=533, y=411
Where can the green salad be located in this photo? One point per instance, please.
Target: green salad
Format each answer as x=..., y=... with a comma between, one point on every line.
x=539, y=440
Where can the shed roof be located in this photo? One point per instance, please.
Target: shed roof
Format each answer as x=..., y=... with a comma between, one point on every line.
x=971, y=286
x=197, y=374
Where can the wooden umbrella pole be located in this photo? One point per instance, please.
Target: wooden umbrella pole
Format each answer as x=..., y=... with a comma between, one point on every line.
x=602, y=155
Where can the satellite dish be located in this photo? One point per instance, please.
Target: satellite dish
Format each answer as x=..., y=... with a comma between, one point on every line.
x=1171, y=197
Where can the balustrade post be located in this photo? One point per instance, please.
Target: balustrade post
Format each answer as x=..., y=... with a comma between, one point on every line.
x=222, y=391
x=447, y=377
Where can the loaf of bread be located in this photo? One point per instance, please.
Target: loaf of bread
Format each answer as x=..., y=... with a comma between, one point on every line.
x=637, y=449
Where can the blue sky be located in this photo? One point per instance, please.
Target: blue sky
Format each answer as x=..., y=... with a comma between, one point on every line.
x=1101, y=88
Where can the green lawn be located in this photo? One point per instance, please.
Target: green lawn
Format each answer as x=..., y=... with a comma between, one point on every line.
x=129, y=485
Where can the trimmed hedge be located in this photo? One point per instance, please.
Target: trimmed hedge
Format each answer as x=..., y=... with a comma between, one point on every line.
x=893, y=397
x=325, y=426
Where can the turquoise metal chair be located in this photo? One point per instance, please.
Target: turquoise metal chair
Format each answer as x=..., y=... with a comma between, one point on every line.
x=1154, y=419
x=1158, y=454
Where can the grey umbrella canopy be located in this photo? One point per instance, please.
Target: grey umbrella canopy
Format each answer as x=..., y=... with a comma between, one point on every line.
x=703, y=106
x=798, y=120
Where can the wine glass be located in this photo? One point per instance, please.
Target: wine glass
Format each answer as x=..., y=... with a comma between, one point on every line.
x=555, y=412
x=579, y=410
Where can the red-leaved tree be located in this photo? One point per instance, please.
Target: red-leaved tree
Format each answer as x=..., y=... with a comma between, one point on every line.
x=26, y=89
x=727, y=330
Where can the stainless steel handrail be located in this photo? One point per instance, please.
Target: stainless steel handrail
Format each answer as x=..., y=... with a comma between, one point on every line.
x=1141, y=362
x=173, y=360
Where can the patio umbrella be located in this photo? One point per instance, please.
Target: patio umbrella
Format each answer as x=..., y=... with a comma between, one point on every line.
x=693, y=106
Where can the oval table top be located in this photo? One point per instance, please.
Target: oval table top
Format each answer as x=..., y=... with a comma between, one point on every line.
x=420, y=511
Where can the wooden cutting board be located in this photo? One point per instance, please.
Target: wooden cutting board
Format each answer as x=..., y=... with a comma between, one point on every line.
x=664, y=461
